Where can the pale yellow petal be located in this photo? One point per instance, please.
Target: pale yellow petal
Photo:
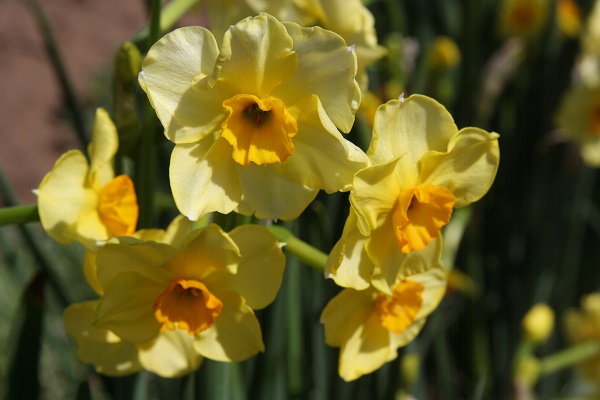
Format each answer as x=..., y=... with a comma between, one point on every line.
x=111, y=359
x=63, y=198
x=102, y=149
x=434, y=281
x=322, y=158
x=256, y=56
x=235, y=335
x=132, y=255
x=408, y=335
x=326, y=68
x=348, y=263
x=366, y=347
x=410, y=128
x=89, y=272
x=260, y=272
x=209, y=256
x=376, y=190
x=168, y=74
x=392, y=264
x=467, y=169
x=177, y=230
x=78, y=319
x=339, y=312
x=204, y=178
x=171, y=355
x=269, y=195
x=127, y=307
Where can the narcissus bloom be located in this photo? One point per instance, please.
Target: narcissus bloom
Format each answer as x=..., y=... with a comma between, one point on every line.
x=207, y=289
x=85, y=202
x=255, y=123
x=526, y=18
x=369, y=326
x=579, y=118
x=170, y=354
x=583, y=325
x=422, y=167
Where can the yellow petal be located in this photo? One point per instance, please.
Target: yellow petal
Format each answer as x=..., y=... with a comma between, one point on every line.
x=168, y=74
x=130, y=316
x=171, y=355
x=366, y=346
x=256, y=56
x=326, y=68
x=270, y=195
x=204, y=178
x=376, y=190
x=63, y=198
x=235, y=335
x=177, y=230
x=398, y=312
x=467, y=168
x=117, y=206
x=410, y=128
x=89, y=271
x=78, y=319
x=259, y=130
x=348, y=263
x=102, y=149
x=322, y=158
x=260, y=271
x=338, y=313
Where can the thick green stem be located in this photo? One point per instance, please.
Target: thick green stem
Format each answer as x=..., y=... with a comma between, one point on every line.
x=569, y=357
x=19, y=215
x=171, y=13
x=304, y=251
x=146, y=166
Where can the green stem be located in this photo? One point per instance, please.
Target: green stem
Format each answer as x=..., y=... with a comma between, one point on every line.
x=569, y=357
x=19, y=215
x=172, y=12
x=146, y=168
x=304, y=251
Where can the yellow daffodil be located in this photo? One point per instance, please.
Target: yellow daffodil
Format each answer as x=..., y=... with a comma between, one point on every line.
x=85, y=202
x=579, y=118
x=206, y=289
x=254, y=124
x=444, y=53
x=526, y=18
x=583, y=325
x=568, y=18
x=170, y=354
x=588, y=66
x=422, y=167
x=369, y=326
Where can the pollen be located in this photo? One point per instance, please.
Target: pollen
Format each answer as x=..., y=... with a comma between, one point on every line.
x=398, y=312
x=187, y=305
x=117, y=206
x=419, y=214
x=259, y=130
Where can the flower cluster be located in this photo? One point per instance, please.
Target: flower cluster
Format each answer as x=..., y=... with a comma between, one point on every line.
x=255, y=121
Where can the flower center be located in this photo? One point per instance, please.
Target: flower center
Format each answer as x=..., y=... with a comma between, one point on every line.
x=187, y=305
x=259, y=130
x=419, y=214
x=398, y=312
x=117, y=206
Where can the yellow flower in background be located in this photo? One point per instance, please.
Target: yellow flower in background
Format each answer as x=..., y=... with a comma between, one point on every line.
x=579, y=118
x=85, y=202
x=369, y=326
x=444, y=53
x=525, y=18
x=206, y=289
x=588, y=66
x=538, y=323
x=568, y=18
x=255, y=123
x=583, y=325
x=170, y=354
x=422, y=167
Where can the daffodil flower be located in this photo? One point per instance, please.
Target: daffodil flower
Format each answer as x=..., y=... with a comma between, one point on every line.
x=579, y=118
x=207, y=289
x=85, y=202
x=583, y=325
x=255, y=122
x=369, y=326
x=170, y=354
x=422, y=167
